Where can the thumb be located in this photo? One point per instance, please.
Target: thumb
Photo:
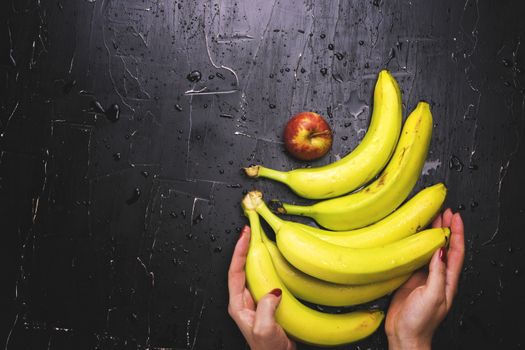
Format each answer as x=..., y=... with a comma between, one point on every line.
x=436, y=280
x=265, y=314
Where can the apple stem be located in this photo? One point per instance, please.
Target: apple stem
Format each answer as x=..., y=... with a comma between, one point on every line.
x=319, y=133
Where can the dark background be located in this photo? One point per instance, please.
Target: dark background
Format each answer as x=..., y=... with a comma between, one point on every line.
x=117, y=234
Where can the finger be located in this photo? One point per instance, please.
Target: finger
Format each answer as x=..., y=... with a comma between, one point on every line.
x=437, y=221
x=249, y=303
x=447, y=217
x=265, y=324
x=435, y=285
x=236, y=275
x=456, y=254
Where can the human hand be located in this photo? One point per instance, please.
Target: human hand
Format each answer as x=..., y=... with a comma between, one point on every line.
x=257, y=323
x=419, y=306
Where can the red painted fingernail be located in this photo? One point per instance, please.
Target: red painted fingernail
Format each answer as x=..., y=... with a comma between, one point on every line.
x=443, y=254
x=277, y=292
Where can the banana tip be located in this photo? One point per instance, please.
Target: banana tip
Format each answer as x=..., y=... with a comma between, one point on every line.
x=277, y=206
x=423, y=104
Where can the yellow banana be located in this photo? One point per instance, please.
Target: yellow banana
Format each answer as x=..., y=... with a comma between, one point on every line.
x=359, y=166
x=345, y=265
x=320, y=292
x=410, y=218
x=385, y=194
x=299, y=321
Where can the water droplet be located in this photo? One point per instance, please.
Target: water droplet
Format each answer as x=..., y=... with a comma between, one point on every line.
x=178, y=107
x=116, y=156
x=234, y=186
x=212, y=237
x=144, y=173
x=134, y=197
x=461, y=207
x=303, y=70
x=507, y=63
x=347, y=124
x=324, y=71
x=355, y=106
x=329, y=112
x=133, y=317
x=218, y=249
x=391, y=54
x=455, y=163
x=224, y=115
x=339, y=56
x=113, y=112
x=198, y=219
x=174, y=215
x=97, y=107
x=376, y=3
x=272, y=106
x=361, y=42
x=337, y=77
x=330, y=47
x=183, y=213
x=194, y=76
x=219, y=75
x=473, y=204
x=322, y=36
x=344, y=138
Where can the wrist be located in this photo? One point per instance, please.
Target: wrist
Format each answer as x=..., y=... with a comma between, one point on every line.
x=397, y=343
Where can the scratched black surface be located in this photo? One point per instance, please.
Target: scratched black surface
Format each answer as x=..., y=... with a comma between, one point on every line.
x=117, y=227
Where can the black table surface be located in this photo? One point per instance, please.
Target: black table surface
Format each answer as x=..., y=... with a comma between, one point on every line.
x=117, y=228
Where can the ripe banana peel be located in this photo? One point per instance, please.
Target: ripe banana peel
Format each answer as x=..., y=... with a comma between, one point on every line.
x=337, y=264
x=299, y=321
x=362, y=164
x=408, y=219
x=384, y=195
x=320, y=292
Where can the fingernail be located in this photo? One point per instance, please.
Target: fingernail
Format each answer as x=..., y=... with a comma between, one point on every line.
x=443, y=254
x=277, y=292
x=242, y=231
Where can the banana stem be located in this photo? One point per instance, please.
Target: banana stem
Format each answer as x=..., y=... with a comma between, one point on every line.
x=272, y=174
x=294, y=209
x=272, y=219
x=255, y=226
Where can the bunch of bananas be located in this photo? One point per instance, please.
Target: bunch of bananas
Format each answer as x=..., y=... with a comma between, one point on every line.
x=370, y=248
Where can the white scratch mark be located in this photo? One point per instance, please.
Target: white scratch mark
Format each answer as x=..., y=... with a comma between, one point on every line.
x=257, y=138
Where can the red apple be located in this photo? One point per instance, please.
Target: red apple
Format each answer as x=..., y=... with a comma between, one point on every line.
x=307, y=136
